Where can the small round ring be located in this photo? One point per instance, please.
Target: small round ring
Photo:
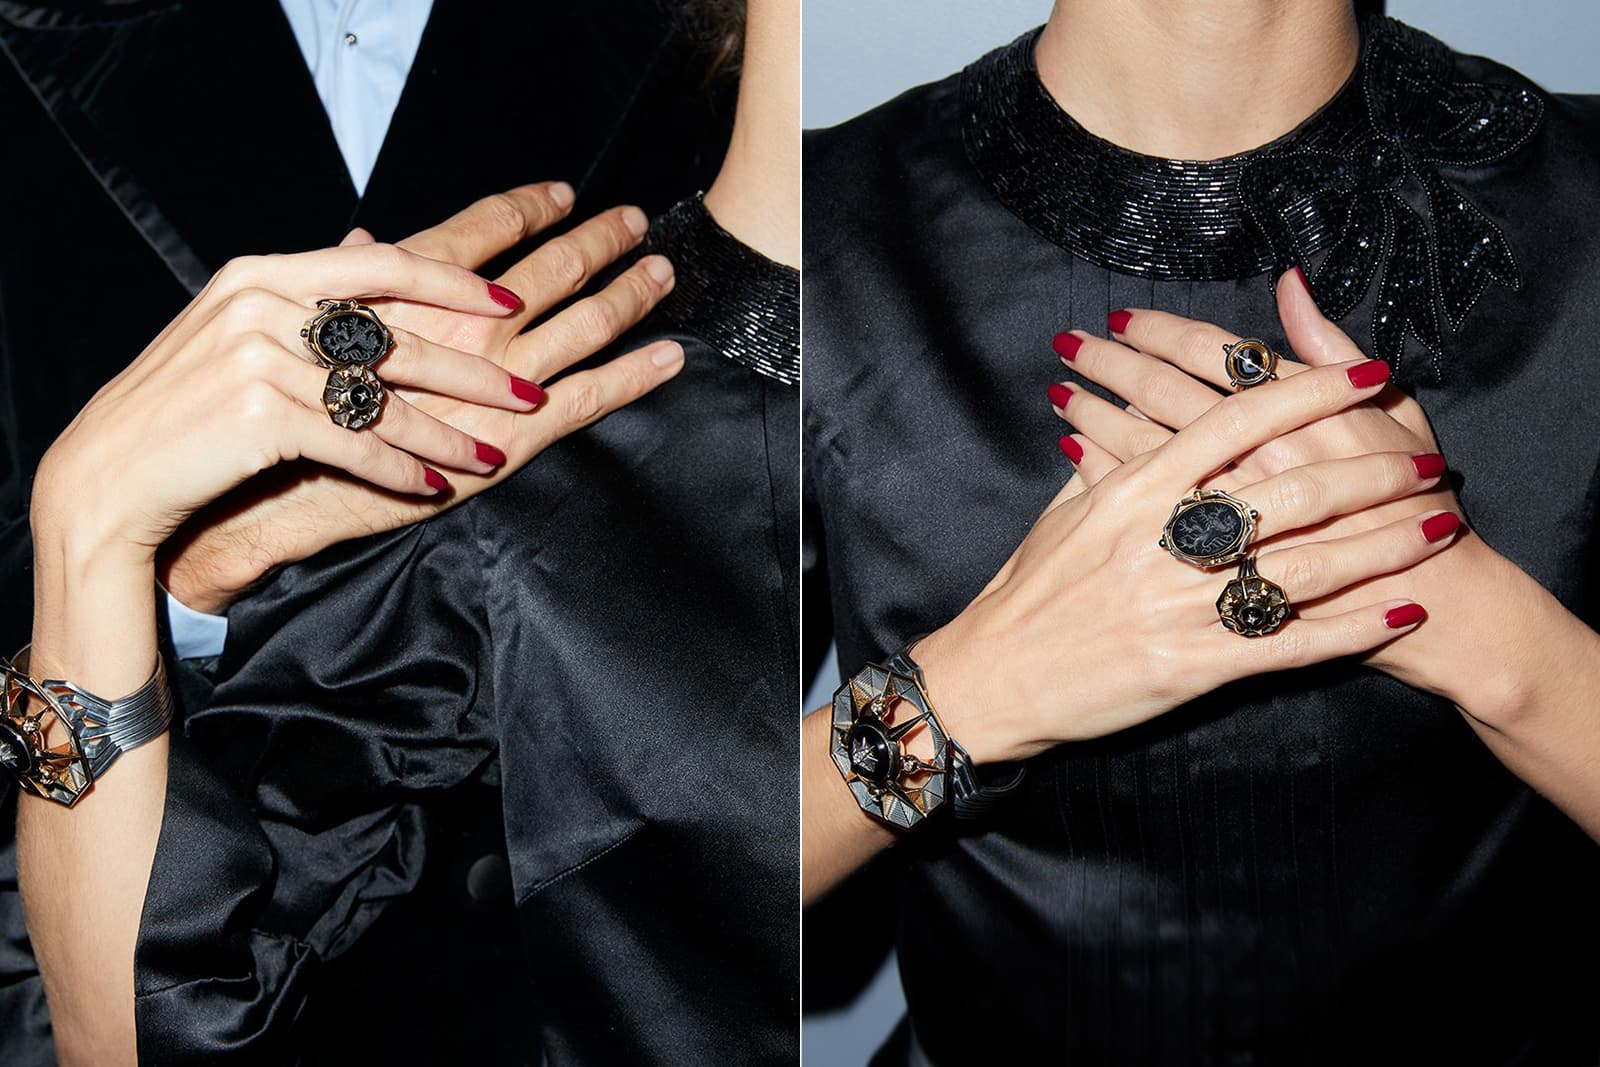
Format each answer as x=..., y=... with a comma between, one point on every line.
x=1249, y=362
x=353, y=397
x=346, y=333
x=1209, y=528
x=1251, y=606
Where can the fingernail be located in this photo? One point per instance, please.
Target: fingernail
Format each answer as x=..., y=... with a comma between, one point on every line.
x=526, y=391
x=659, y=269
x=489, y=454
x=1059, y=394
x=1366, y=375
x=1071, y=448
x=562, y=194
x=435, y=480
x=1404, y=615
x=1067, y=345
x=1429, y=465
x=1118, y=320
x=635, y=220
x=504, y=297
x=667, y=355
x=1440, y=526
x=1298, y=273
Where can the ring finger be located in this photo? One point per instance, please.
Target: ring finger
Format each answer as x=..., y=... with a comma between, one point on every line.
x=1196, y=348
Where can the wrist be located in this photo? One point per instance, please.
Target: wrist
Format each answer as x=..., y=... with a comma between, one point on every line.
x=962, y=697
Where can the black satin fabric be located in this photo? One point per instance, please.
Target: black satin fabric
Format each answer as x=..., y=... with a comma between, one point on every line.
x=1323, y=866
x=608, y=642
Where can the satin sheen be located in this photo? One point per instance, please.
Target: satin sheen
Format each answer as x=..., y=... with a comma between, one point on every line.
x=1318, y=867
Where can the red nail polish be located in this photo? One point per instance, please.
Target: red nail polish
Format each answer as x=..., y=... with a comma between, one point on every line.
x=1298, y=273
x=1067, y=345
x=1118, y=320
x=489, y=454
x=435, y=480
x=1440, y=526
x=1429, y=465
x=1404, y=615
x=1059, y=395
x=525, y=390
x=1366, y=375
x=1072, y=449
x=504, y=297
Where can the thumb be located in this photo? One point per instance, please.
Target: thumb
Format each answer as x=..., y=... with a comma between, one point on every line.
x=357, y=236
x=1313, y=339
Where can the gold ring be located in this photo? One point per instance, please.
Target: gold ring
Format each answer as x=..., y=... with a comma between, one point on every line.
x=1250, y=605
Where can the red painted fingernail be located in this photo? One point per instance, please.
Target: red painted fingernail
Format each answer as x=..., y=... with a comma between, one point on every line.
x=1059, y=394
x=1118, y=320
x=1067, y=345
x=435, y=480
x=1072, y=449
x=1429, y=465
x=1440, y=526
x=489, y=454
x=527, y=391
x=504, y=297
x=1366, y=375
x=1404, y=615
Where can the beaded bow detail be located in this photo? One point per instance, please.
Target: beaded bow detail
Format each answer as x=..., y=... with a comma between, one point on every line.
x=1379, y=207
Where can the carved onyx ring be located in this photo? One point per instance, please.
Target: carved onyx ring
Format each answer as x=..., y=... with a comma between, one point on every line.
x=1250, y=605
x=346, y=333
x=1249, y=362
x=1209, y=528
x=353, y=397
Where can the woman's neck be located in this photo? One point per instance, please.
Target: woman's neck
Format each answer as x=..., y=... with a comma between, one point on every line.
x=1198, y=80
x=756, y=196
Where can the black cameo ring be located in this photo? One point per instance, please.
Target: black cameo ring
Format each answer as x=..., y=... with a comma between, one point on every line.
x=1249, y=362
x=353, y=397
x=1250, y=605
x=1209, y=528
x=346, y=333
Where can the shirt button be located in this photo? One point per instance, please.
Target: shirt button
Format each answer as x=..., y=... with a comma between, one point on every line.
x=350, y=40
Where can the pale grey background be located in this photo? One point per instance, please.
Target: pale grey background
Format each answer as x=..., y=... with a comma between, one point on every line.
x=859, y=54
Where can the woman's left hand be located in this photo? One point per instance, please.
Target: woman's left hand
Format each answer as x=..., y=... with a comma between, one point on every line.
x=1171, y=369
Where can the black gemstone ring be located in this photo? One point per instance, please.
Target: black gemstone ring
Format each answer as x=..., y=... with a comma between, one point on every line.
x=346, y=333
x=1209, y=528
x=1250, y=362
x=1250, y=605
x=353, y=397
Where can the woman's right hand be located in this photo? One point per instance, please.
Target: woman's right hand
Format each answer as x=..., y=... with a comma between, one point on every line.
x=1094, y=628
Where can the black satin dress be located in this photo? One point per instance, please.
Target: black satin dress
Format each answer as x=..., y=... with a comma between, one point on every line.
x=1323, y=866
x=518, y=781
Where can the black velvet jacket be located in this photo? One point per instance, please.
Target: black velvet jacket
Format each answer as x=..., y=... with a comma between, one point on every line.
x=1322, y=866
x=149, y=141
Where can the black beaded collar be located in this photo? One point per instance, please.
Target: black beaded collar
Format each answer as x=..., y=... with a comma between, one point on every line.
x=1351, y=195
x=738, y=301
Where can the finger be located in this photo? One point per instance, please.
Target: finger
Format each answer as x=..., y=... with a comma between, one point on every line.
x=1118, y=432
x=561, y=267
x=1193, y=347
x=577, y=332
x=493, y=225
x=1306, y=495
x=1091, y=461
x=311, y=435
x=357, y=236
x=1249, y=419
x=421, y=364
x=1164, y=393
x=1311, y=571
x=1303, y=642
x=366, y=271
x=579, y=399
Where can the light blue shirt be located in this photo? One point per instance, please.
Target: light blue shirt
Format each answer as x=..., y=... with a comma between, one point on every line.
x=359, y=53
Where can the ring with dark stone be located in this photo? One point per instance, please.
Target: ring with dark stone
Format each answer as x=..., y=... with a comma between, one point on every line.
x=1209, y=528
x=346, y=333
x=1250, y=362
x=1250, y=605
x=353, y=397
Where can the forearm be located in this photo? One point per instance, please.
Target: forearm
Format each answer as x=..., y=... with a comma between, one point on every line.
x=837, y=837
x=84, y=871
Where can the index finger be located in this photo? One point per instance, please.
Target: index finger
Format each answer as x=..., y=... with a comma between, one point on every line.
x=1195, y=347
x=488, y=227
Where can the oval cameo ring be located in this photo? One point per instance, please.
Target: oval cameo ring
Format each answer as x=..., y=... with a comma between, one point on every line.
x=1209, y=528
x=1250, y=362
x=346, y=333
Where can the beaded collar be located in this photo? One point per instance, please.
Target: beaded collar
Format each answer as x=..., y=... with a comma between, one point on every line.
x=1352, y=195
x=736, y=300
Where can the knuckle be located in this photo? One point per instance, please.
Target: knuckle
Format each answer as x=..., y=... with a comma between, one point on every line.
x=565, y=266
x=596, y=321
x=1153, y=388
x=1290, y=646
x=237, y=271
x=503, y=214
x=1301, y=575
x=1233, y=419
x=256, y=405
x=583, y=404
x=247, y=308
x=1292, y=496
x=1197, y=342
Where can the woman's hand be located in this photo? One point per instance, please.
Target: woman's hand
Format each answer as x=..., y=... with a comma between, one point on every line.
x=304, y=508
x=1092, y=627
